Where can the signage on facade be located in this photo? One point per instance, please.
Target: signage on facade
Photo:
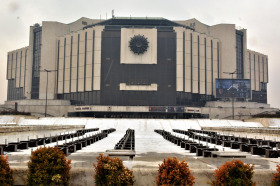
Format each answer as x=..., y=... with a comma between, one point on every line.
x=193, y=110
x=237, y=88
x=82, y=108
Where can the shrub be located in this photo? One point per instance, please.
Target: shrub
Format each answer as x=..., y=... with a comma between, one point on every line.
x=276, y=177
x=173, y=172
x=110, y=171
x=48, y=166
x=6, y=174
x=234, y=173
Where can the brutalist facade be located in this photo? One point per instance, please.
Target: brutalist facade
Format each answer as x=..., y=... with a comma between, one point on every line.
x=133, y=62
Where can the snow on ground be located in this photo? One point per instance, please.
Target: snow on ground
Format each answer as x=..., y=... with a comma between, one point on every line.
x=7, y=120
x=274, y=123
x=146, y=140
x=137, y=124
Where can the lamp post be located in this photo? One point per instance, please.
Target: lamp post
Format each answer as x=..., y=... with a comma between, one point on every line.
x=46, y=104
x=232, y=96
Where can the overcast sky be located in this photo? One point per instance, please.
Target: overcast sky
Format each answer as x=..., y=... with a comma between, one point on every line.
x=260, y=18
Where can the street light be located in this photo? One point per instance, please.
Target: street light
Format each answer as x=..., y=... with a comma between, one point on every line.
x=46, y=105
x=232, y=97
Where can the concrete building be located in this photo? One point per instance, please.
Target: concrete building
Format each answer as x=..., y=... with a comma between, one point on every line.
x=142, y=66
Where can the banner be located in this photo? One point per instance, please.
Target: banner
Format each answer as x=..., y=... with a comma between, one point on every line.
x=176, y=109
x=237, y=88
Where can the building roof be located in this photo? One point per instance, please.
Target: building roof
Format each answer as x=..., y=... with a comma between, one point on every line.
x=138, y=21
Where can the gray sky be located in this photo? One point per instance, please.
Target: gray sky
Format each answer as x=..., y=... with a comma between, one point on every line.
x=260, y=18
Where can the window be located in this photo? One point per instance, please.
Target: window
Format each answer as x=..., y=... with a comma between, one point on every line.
x=239, y=54
x=36, y=63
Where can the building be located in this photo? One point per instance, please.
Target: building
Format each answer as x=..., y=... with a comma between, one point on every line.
x=134, y=65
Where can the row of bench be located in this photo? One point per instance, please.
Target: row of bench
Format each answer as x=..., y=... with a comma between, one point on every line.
x=127, y=142
x=254, y=146
x=257, y=141
x=14, y=146
x=78, y=144
x=190, y=145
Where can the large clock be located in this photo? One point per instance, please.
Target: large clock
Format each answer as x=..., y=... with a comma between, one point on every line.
x=138, y=44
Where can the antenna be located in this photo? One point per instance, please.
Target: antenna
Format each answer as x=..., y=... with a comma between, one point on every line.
x=113, y=14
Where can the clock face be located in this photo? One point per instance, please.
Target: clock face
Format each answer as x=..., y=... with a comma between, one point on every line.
x=138, y=44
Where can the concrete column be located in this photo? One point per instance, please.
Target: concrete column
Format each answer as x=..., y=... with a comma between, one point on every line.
x=179, y=58
x=97, y=57
x=202, y=63
x=188, y=60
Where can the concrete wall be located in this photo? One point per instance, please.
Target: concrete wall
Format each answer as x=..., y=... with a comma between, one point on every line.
x=37, y=107
x=242, y=110
x=226, y=34
x=50, y=32
x=216, y=110
x=143, y=176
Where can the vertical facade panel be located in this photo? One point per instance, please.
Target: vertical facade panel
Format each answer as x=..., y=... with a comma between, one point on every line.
x=14, y=63
x=61, y=67
x=195, y=62
x=25, y=69
x=179, y=58
x=247, y=66
x=257, y=72
x=261, y=68
x=27, y=81
x=9, y=66
x=202, y=63
x=215, y=65
x=253, y=72
x=81, y=72
x=89, y=62
x=250, y=65
x=208, y=67
x=81, y=66
x=18, y=60
x=265, y=70
x=218, y=59
x=22, y=68
x=74, y=63
x=97, y=57
x=67, y=75
x=7, y=70
x=67, y=65
x=187, y=61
